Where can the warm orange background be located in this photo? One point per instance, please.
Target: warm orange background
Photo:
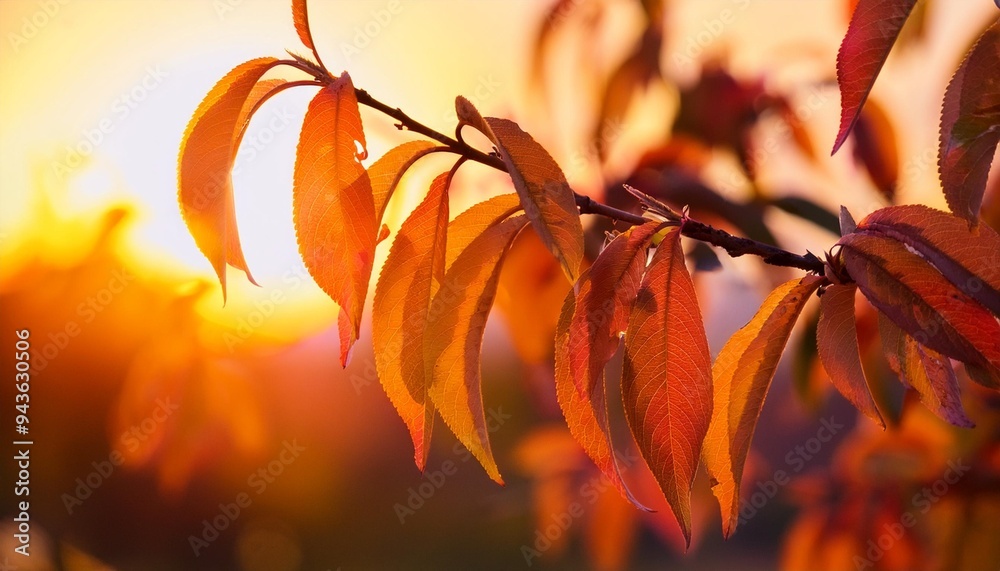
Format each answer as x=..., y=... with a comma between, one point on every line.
x=253, y=375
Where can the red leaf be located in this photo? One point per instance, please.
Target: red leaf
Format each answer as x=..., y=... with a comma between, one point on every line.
x=920, y=300
x=837, y=344
x=742, y=375
x=453, y=339
x=334, y=212
x=604, y=300
x=870, y=35
x=204, y=170
x=406, y=286
x=970, y=126
x=386, y=172
x=667, y=376
x=970, y=260
x=585, y=417
x=931, y=375
x=926, y=371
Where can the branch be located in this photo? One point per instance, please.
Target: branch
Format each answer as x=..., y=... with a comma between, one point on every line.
x=735, y=246
x=410, y=124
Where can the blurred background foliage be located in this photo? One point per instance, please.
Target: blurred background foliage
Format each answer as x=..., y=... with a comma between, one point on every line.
x=724, y=106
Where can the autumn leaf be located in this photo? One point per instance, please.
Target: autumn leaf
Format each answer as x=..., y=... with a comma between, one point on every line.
x=970, y=126
x=334, y=212
x=406, y=286
x=300, y=17
x=742, y=375
x=547, y=199
x=931, y=375
x=925, y=371
x=545, y=195
x=970, y=260
x=468, y=225
x=837, y=344
x=875, y=148
x=920, y=300
x=262, y=91
x=870, y=35
x=388, y=170
x=456, y=322
x=204, y=173
x=604, y=300
x=667, y=376
x=586, y=417
x=589, y=338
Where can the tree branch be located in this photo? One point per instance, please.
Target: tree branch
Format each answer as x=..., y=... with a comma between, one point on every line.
x=735, y=246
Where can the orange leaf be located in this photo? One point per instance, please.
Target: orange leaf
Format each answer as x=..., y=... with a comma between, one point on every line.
x=545, y=195
x=300, y=16
x=667, y=376
x=920, y=300
x=925, y=371
x=453, y=339
x=837, y=344
x=970, y=260
x=334, y=212
x=204, y=173
x=547, y=199
x=405, y=288
x=468, y=225
x=386, y=172
x=931, y=375
x=970, y=126
x=742, y=375
x=260, y=92
x=604, y=300
x=585, y=417
x=870, y=35
x=875, y=148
